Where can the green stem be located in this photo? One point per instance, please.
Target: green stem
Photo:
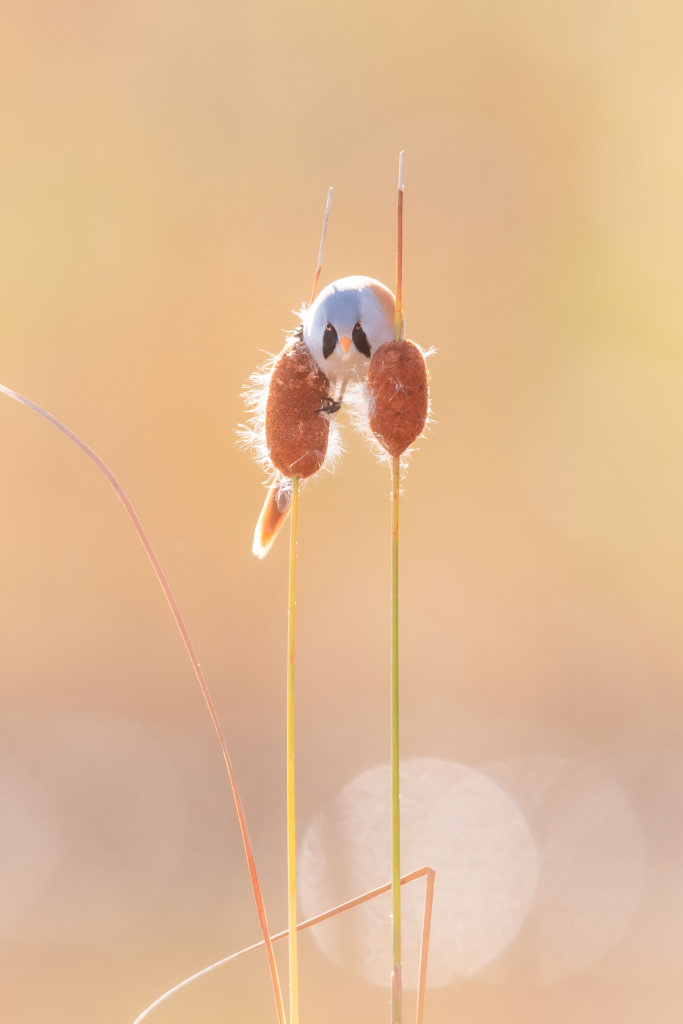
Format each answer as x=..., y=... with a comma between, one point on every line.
x=291, y=817
x=396, y=981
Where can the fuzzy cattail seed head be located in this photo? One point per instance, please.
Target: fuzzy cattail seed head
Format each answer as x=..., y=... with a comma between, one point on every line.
x=398, y=389
x=296, y=428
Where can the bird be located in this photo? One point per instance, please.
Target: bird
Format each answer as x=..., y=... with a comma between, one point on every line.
x=296, y=398
x=348, y=321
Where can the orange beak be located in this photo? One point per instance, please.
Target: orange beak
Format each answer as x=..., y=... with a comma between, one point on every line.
x=345, y=344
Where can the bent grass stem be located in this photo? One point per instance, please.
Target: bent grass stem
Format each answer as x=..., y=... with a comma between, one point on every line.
x=199, y=675
x=425, y=872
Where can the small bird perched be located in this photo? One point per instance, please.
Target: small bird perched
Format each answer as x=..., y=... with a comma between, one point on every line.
x=295, y=400
x=348, y=321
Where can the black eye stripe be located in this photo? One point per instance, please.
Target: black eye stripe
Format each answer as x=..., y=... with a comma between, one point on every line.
x=329, y=340
x=360, y=340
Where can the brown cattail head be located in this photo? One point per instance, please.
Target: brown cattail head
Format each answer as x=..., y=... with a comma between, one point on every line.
x=399, y=395
x=296, y=428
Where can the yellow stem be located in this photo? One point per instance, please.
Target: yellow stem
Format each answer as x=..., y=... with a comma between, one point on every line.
x=291, y=816
x=396, y=981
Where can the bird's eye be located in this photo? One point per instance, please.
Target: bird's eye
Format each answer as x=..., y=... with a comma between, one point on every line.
x=360, y=340
x=329, y=340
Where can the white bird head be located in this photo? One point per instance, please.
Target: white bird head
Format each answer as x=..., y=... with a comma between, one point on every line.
x=348, y=321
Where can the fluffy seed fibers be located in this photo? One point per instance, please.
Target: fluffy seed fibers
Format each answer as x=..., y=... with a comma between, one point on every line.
x=296, y=432
x=399, y=395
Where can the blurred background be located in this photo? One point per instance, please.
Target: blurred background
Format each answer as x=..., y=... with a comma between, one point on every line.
x=163, y=173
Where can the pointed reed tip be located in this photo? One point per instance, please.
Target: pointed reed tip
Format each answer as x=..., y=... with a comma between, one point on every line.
x=400, y=170
x=326, y=217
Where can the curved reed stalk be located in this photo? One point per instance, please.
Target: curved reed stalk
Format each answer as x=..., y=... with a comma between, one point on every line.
x=426, y=872
x=189, y=647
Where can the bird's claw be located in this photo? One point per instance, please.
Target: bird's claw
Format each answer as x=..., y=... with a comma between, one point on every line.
x=330, y=407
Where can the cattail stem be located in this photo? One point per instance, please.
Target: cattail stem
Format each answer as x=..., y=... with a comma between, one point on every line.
x=291, y=817
x=316, y=279
x=291, y=623
x=396, y=980
x=398, y=308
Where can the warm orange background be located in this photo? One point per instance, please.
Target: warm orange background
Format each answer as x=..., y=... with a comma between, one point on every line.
x=163, y=171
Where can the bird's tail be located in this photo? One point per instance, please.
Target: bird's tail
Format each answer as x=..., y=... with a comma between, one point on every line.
x=273, y=514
